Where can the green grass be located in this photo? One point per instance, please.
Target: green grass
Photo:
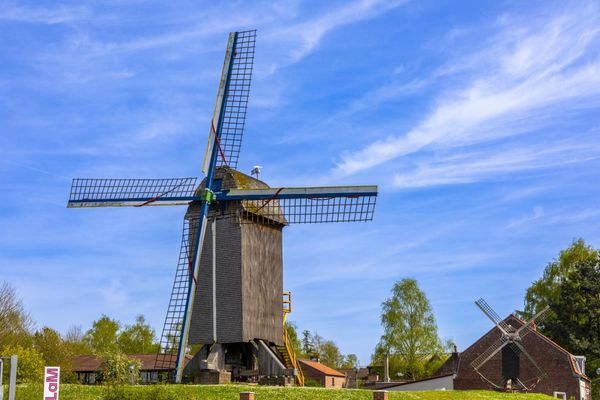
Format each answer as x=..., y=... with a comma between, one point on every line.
x=231, y=392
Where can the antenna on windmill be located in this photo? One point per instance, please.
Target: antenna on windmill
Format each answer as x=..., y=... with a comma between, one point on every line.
x=256, y=171
x=512, y=346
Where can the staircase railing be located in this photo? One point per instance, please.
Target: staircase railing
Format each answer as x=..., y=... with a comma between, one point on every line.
x=287, y=308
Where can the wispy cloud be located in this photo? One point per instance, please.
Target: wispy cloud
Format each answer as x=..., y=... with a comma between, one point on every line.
x=480, y=165
x=514, y=85
x=306, y=35
x=49, y=16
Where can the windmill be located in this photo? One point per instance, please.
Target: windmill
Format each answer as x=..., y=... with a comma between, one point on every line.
x=227, y=292
x=511, y=346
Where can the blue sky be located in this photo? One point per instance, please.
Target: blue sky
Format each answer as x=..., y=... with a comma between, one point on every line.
x=478, y=120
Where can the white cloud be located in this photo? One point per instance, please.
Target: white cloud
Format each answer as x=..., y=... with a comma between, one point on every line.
x=515, y=85
x=480, y=165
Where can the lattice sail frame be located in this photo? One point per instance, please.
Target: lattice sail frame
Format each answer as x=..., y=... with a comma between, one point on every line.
x=235, y=102
x=510, y=337
x=306, y=210
x=171, y=333
x=131, y=192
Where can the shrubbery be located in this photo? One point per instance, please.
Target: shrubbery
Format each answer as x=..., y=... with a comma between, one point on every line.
x=30, y=363
x=118, y=369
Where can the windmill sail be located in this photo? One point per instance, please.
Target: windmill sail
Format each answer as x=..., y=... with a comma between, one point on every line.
x=512, y=347
x=171, y=333
x=131, y=192
x=305, y=205
x=229, y=117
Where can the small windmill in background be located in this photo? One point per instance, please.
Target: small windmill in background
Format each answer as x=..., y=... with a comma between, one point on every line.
x=227, y=293
x=511, y=346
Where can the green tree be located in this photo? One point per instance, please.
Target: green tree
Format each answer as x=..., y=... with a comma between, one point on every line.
x=50, y=345
x=30, y=364
x=102, y=338
x=410, y=331
x=15, y=322
x=350, y=361
x=546, y=290
x=138, y=338
x=307, y=344
x=56, y=352
x=330, y=354
x=576, y=325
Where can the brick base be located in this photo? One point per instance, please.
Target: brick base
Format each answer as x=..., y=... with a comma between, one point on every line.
x=212, y=377
x=380, y=395
x=247, y=396
x=276, y=380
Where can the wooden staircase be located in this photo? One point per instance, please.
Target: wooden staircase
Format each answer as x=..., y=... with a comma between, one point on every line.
x=290, y=359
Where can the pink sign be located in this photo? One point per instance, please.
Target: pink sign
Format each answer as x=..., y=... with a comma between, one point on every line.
x=51, y=383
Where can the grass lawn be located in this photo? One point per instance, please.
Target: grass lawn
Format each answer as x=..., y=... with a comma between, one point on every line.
x=231, y=392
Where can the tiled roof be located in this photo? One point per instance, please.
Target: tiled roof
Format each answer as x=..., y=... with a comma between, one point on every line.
x=324, y=369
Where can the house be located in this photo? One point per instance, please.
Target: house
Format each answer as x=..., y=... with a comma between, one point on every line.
x=88, y=368
x=326, y=376
x=357, y=374
x=563, y=377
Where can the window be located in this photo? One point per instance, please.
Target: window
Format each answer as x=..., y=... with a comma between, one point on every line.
x=560, y=395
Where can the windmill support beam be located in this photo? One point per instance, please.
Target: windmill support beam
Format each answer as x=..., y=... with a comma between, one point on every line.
x=131, y=202
x=214, y=278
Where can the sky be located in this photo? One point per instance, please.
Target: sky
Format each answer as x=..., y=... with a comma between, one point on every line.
x=478, y=120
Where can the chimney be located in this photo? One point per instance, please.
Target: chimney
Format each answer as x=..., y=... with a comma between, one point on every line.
x=386, y=369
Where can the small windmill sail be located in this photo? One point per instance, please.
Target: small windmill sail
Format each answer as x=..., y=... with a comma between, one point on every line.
x=510, y=344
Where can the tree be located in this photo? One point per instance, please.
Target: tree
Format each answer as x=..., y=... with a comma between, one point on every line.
x=75, y=341
x=350, y=361
x=30, y=364
x=56, y=352
x=546, y=290
x=138, y=338
x=330, y=354
x=15, y=322
x=410, y=331
x=571, y=286
x=576, y=325
x=307, y=344
x=102, y=338
x=52, y=348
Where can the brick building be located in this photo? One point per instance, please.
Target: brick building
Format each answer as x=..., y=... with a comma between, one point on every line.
x=326, y=376
x=565, y=372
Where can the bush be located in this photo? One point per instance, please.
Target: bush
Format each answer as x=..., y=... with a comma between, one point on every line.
x=30, y=364
x=312, y=383
x=118, y=369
